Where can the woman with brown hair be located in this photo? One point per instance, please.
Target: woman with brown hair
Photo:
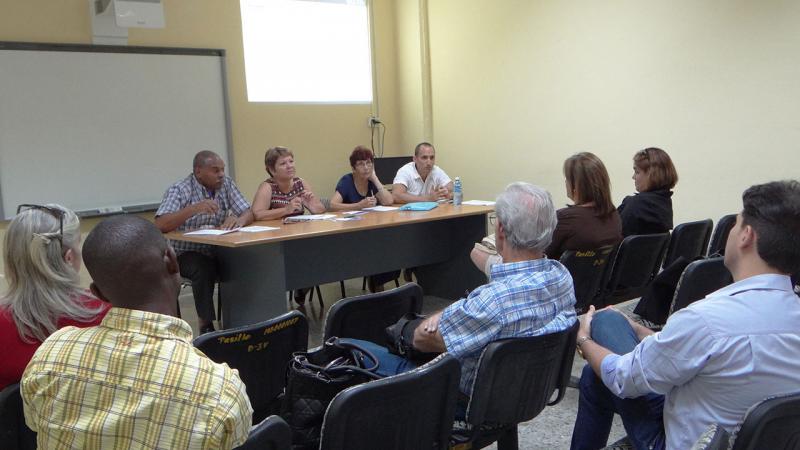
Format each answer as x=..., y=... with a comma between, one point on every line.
x=361, y=188
x=591, y=222
x=283, y=193
x=649, y=211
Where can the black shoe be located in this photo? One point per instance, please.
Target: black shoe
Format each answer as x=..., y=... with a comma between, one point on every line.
x=300, y=296
x=407, y=275
x=207, y=328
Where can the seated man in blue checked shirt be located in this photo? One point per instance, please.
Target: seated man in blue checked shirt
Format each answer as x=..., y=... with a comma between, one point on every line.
x=204, y=199
x=713, y=359
x=528, y=295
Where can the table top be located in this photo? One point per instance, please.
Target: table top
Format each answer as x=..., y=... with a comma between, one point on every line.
x=302, y=230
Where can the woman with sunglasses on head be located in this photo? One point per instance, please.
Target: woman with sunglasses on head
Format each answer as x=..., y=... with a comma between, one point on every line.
x=649, y=211
x=361, y=188
x=42, y=260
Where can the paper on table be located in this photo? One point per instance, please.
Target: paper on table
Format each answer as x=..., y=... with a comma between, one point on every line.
x=478, y=203
x=257, y=228
x=308, y=217
x=353, y=213
x=210, y=232
x=381, y=208
x=347, y=219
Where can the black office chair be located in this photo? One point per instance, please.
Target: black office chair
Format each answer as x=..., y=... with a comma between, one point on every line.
x=589, y=270
x=261, y=353
x=273, y=433
x=720, y=235
x=413, y=410
x=689, y=240
x=773, y=424
x=699, y=279
x=14, y=433
x=515, y=380
x=636, y=263
x=367, y=316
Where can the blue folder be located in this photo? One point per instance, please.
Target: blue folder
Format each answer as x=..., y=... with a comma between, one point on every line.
x=419, y=206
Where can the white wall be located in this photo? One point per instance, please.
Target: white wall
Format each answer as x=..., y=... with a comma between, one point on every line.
x=519, y=85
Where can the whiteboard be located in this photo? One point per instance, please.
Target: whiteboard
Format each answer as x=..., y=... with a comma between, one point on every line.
x=103, y=129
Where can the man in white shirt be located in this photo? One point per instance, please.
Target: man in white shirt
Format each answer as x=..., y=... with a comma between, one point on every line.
x=713, y=359
x=422, y=180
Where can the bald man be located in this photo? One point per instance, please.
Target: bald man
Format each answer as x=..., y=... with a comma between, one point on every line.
x=135, y=380
x=207, y=198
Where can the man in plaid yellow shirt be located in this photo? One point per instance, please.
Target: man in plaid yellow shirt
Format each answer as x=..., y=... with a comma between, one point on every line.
x=135, y=381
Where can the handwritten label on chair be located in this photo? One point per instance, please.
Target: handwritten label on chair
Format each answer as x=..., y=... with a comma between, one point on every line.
x=257, y=347
x=239, y=337
x=280, y=326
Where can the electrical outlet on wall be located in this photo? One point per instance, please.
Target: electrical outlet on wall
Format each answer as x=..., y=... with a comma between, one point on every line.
x=373, y=121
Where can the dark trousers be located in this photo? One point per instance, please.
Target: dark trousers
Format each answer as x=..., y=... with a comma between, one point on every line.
x=641, y=416
x=202, y=271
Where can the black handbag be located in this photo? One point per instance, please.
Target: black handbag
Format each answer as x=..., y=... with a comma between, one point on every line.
x=657, y=297
x=312, y=380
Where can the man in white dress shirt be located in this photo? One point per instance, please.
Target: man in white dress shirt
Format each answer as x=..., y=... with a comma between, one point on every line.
x=713, y=359
x=422, y=180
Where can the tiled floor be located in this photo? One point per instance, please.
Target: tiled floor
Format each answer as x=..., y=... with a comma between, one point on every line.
x=551, y=430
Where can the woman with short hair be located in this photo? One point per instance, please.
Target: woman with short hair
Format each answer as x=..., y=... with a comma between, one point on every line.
x=283, y=194
x=650, y=210
x=42, y=260
x=361, y=188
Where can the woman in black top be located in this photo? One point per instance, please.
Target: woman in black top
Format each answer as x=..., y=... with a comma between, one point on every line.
x=649, y=211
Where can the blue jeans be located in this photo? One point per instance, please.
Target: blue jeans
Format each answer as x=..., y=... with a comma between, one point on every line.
x=641, y=416
x=390, y=364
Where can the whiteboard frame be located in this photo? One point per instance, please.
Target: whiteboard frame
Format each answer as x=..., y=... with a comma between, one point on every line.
x=91, y=48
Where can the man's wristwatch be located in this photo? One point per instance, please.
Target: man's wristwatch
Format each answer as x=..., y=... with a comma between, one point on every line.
x=579, y=342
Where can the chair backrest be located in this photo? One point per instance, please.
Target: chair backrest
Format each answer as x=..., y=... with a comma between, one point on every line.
x=14, y=434
x=689, y=240
x=517, y=377
x=412, y=410
x=260, y=352
x=565, y=372
x=588, y=270
x=720, y=235
x=367, y=316
x=699, y=279
x=772, y=424
x=273, y=433
x=636, y=263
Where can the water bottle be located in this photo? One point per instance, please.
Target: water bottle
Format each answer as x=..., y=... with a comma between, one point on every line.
x=458, y=194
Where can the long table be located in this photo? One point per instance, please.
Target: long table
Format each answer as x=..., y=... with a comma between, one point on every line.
x=257, y=269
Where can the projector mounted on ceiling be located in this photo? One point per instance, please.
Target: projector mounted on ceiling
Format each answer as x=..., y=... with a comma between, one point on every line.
x=112, y=18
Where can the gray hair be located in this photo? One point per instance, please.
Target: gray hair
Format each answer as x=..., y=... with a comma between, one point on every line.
x=527, y=215
x=42, y=286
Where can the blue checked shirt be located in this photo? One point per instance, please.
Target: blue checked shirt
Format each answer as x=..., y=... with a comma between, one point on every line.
x=189, y=191
x=528, y=298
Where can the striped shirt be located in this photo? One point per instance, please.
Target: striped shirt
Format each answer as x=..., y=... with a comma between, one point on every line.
x=133, y=382
x=280, y=199
x=528, y=298
x=189, y=191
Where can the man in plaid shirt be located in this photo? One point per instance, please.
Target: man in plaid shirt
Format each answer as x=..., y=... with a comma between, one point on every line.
x=204, y=199
x=528, y=295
